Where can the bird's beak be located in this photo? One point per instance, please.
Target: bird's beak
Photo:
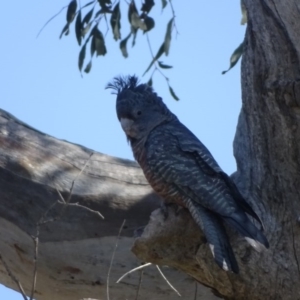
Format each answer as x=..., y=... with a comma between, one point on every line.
x=126, y=124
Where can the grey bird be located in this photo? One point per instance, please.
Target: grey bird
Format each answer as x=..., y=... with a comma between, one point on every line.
x=182, y=170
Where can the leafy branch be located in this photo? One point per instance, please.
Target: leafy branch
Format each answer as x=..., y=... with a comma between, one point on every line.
x=88, y=33
x=87, y=23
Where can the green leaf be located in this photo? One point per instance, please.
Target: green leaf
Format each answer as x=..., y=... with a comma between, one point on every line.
x=65, y=30
x=123, y=45
x=88, y=67
x=115, y=22
x=134, y=32
x=147, y=6
x=98, y=43
x=164, y=3
x=71, y=11
x=81, y=57
x=244, y=19
x=157, y=56
x=78, y=28
x=93, y=47
x=173, y=93
x=149, y=22
x=150, y=82
x=105, y=5
x=134, y=18
x=235, y=57
x=168, y=37
x=132, y=10
x=87, y=17
x=163, y=66
x=86, y=29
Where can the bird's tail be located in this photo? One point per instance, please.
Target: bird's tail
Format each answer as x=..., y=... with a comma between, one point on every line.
x=245, y=227
x=216, y=236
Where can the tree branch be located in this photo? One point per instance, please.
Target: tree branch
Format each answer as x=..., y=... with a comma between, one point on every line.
x=74, y=249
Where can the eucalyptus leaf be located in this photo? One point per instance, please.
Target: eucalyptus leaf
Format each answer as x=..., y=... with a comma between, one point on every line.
x=65, y=30
x=173, y=93
x=78, y=28
x=147, y=6
x=134, y=18
x=149, y=22
x=71, y=11
x=134, y=32
x=163, y=66
x=244, y=19
x=150, y=82
x=123, y=45
x=168, y=37
x=87, y=17
x=86, y=29
x=164, y=3
x=115, y=22
x=88, y=67
x=235, y=57
x=98, y=42
x=105, y=5
x=81, y=57
x=132, y=10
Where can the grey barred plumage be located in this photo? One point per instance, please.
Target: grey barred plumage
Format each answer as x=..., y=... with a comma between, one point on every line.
x=181, y=169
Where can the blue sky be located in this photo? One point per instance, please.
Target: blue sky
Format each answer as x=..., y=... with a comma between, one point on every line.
x=41, y=84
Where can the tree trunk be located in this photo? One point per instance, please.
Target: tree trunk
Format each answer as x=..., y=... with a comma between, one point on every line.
x=76, y=247
x=267, y=150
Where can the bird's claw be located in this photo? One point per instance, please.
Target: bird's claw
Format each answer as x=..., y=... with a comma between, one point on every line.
x=165, y=209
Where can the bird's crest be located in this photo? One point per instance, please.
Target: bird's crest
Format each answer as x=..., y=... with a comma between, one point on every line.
x=121, y=83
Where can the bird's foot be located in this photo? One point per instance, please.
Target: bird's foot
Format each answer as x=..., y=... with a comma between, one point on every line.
x=166, y=206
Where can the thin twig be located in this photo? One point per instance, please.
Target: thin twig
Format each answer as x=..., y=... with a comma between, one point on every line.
x=133, y=270
x=140, y=284
x=84, y=207
x=60, y=196
x=107, y=27
x=12, y=276
x=77, y=176
x=155, y=61
x=164, y=277
x=66, y=202
x=196, y=290
x=174, y=17
x=50, y=20
x=36, y=252
x=112, y=259
x=42, y=219
x=48, y=221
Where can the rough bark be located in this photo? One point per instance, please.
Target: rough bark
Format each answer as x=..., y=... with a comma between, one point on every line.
x=267, y=151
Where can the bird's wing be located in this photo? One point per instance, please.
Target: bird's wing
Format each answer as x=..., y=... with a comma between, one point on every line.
x=191, y=165
x=190, y=143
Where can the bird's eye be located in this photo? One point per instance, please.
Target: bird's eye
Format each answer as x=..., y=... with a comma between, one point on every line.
x=139, y=113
